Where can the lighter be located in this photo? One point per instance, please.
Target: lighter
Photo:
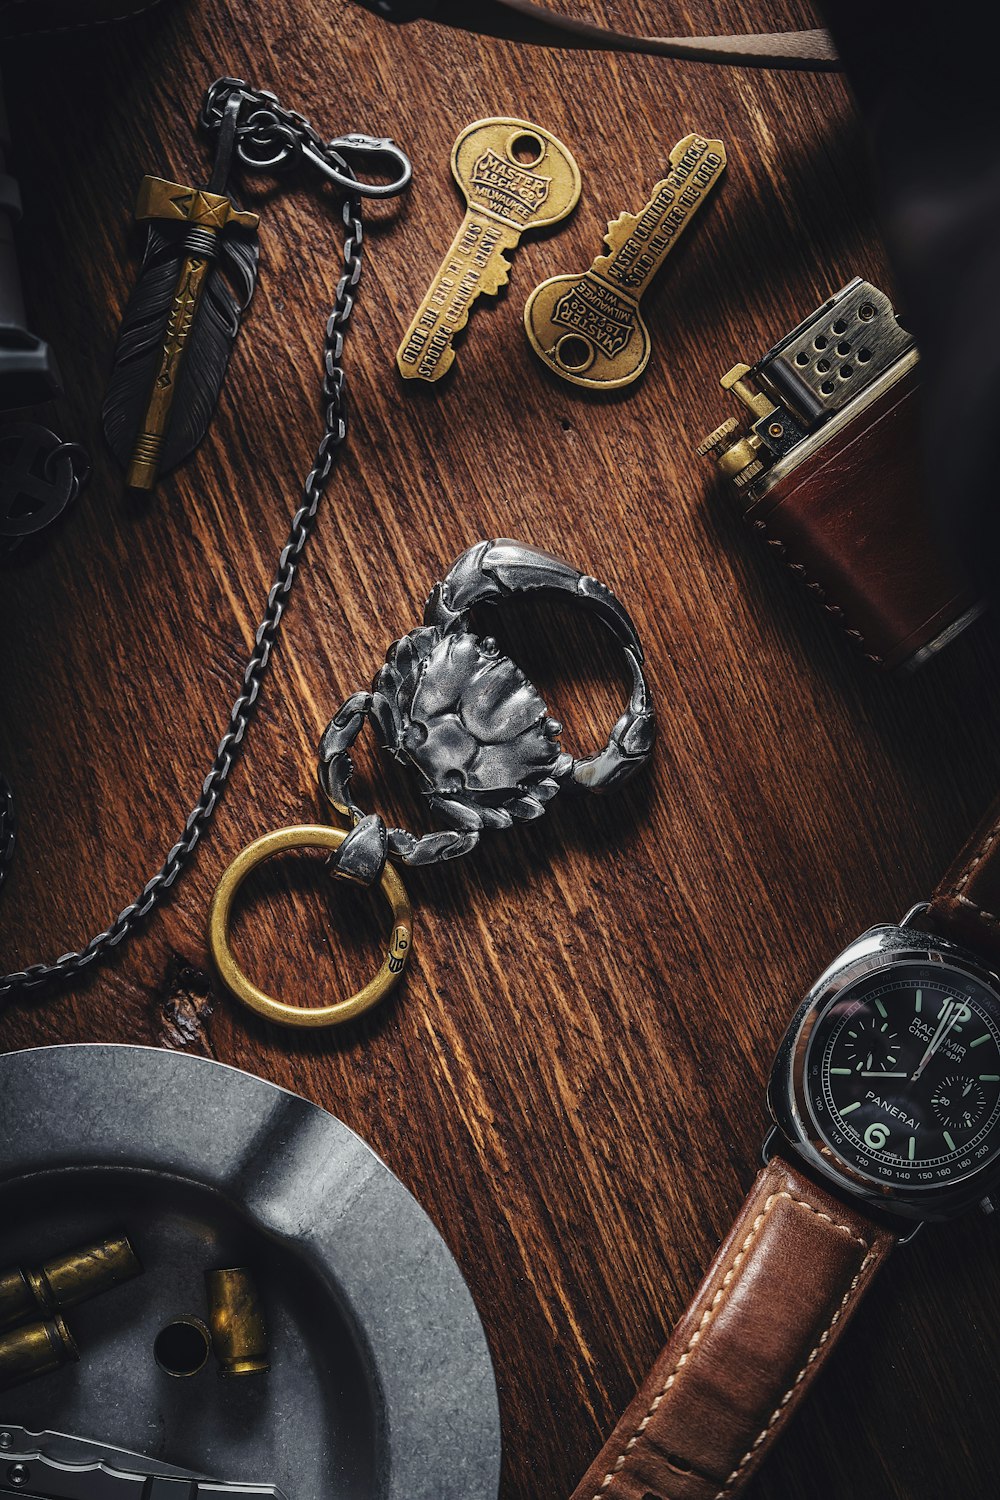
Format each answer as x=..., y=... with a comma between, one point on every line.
x=830, y=475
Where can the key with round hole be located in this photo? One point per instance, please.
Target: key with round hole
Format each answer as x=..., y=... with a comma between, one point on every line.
x=516, y=177
x=588, y=329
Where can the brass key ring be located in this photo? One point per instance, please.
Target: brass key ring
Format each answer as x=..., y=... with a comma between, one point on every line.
x=305, y=836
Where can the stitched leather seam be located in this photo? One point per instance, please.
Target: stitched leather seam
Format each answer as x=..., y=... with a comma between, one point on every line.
x=988, y=916
x=779, y=1410
x=956, y=892
x=124, y=15
x=706, y=1318
x=836, y=611
x=981, y=854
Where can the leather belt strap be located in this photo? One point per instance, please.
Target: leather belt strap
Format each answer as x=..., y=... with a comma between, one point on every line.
x=531, y=21
x=966, y=904
x=807, y=50
x=774, y=1303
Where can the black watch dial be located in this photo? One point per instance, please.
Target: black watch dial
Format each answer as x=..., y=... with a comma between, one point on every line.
x=903, y=1075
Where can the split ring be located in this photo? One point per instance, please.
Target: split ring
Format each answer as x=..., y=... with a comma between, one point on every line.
x=306, y=836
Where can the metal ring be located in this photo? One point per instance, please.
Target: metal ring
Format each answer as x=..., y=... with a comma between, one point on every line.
x=274, y=144
x=305, y=836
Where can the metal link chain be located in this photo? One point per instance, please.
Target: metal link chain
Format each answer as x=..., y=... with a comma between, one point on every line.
x=335, y=430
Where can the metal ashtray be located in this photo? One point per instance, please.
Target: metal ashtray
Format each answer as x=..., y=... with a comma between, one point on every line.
x=381, y=1385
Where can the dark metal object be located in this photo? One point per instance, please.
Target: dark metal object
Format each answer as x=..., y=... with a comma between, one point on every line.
x=239, y=1333
x=34, y=1350
x=66, y=1280
x=381, y=1382
x=40, y=475
x=28, y=373
x=469, y=722
x=54, y=1466
x=334, y=433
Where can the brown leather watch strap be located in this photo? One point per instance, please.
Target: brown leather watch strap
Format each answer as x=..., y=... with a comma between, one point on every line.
x=966, y=904
x=775, y=1300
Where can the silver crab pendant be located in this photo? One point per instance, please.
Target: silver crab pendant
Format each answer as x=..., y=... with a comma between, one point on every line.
x=468, y=721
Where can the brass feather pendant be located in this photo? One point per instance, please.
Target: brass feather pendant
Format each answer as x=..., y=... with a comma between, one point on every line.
x=198, y=276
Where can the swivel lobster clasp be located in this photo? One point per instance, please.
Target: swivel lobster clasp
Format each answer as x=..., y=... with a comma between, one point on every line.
x=477, y=735
x=272, y=139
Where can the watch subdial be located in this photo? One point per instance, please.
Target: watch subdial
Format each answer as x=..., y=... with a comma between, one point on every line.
x=959, y=1102
x=871, y=1047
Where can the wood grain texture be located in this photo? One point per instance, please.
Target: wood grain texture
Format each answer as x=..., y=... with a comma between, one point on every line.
x=571, y=1077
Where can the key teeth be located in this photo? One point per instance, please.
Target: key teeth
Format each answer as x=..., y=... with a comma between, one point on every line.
x=620, y=229
x=490, y=285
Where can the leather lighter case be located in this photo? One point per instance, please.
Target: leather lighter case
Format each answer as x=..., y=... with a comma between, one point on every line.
x=828, y=466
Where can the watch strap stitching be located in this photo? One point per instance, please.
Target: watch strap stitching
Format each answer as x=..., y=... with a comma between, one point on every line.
x=960, y=885
x=955, y=912
x=872, y=1255
x=709, y=1313
x=980, y=911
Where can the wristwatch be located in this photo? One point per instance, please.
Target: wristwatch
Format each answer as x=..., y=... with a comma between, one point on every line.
x=885, y=1097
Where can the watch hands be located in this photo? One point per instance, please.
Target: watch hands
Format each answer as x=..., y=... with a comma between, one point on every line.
x=949, y=1016
x=877, y=1073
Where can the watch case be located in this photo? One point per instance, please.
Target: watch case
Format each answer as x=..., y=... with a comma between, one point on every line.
x=881, y=948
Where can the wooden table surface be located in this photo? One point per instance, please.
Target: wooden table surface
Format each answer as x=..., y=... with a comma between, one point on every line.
x=571, y=1077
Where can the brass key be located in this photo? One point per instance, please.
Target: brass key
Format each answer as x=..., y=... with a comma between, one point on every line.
x=507, y=195
x=588, y=328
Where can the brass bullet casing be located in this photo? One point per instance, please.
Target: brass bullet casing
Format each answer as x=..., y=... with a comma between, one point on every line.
x=181, y=1347
x=34, y=1350
x=239, y=1333
x=66, y=1280
x=17, y=1300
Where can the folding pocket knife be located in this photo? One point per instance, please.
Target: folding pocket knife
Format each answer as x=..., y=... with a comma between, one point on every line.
x=54, y=1466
